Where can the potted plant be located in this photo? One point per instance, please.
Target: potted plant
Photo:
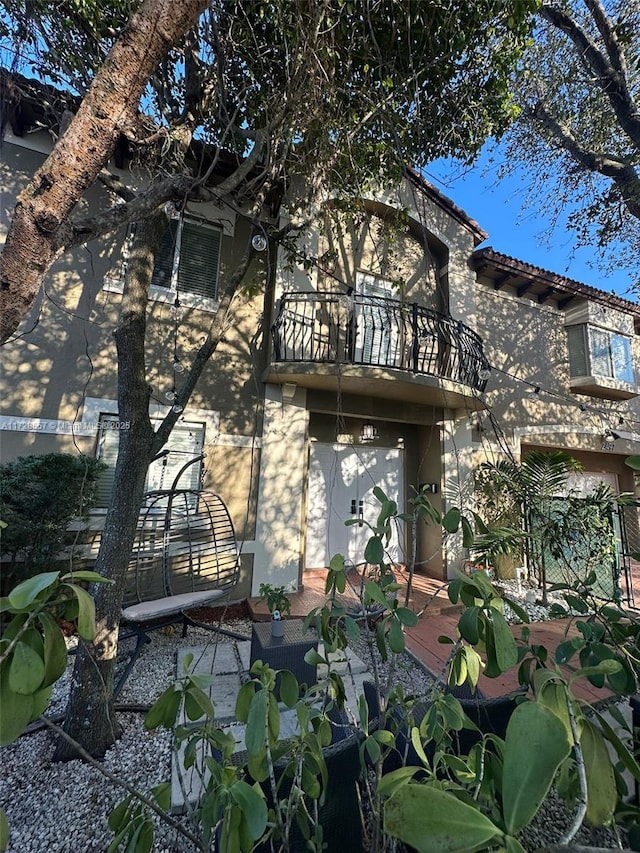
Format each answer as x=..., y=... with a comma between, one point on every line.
x=279, y=606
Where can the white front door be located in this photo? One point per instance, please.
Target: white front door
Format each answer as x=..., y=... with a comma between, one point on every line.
x=341, y=483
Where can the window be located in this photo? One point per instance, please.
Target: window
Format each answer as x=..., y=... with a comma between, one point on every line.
x=377, y=333
x=598, y=352
x=188, y=262
x=185, y=443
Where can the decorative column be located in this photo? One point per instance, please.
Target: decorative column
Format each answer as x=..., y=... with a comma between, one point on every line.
x=283, y=467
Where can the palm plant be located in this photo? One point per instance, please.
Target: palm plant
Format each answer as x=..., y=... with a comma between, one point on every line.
x=530, y=486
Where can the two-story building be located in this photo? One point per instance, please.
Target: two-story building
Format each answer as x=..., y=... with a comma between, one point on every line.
x=383, y=354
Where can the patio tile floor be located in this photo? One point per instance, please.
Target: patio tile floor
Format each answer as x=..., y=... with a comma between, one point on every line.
x=440, y=618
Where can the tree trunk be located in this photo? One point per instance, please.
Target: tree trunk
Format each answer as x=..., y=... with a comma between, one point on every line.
x=41, y=225
x=90, y=719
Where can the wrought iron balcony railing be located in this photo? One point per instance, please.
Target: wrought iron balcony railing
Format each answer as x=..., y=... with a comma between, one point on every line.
x=329, y=328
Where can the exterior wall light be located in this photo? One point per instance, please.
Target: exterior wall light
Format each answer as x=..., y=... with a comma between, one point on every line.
x=368, y=433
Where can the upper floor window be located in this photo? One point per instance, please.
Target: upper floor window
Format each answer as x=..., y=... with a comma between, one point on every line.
x=188, y=263
x=600, y=362
x=598, y=352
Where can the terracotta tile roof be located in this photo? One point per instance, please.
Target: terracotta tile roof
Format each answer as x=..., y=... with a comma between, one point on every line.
x=487, y=260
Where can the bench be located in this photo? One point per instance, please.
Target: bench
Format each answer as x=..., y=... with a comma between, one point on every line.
x=185, y=556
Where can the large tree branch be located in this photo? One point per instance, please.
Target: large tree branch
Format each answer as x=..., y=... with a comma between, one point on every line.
x=44, y=207
x=623, y=174
x=606, y=71
x=139, y=206
x=608, y=35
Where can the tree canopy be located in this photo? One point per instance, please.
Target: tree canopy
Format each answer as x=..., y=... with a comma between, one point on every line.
x=246, y=103
x=578, y=131
x=333, y=93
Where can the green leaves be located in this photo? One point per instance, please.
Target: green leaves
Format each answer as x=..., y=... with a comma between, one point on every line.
x=252, y=805
x=17, y=710
x=34, y=650
x=504, y=642
x=26, y=670
x=435, y=821
x=55, y=649
x=602, y=795
x=164, y=710
x=25, y=594
x=451, y=520
x=535, y=746
x=481, y=623
x=469, y=625
x=374, y=551
x=86, y=611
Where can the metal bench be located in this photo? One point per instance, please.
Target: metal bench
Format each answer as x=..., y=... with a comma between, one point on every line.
x=185, y=556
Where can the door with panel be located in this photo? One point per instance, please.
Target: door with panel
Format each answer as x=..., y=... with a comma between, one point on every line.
x=341, y=483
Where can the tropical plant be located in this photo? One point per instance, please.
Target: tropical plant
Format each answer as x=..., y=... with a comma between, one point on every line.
x=276, y=598
x=532, y=485
x=33, y=652
x=499, y=520
x=565, y=537
x=441, y=800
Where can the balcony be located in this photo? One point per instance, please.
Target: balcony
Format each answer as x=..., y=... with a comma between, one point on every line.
x=370, y=339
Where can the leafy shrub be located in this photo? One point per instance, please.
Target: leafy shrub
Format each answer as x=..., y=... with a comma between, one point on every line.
x=39, y=497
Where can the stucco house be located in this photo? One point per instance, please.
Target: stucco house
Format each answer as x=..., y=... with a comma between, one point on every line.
x=388, y=361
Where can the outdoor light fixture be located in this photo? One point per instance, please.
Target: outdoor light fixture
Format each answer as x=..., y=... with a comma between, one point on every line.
x=610, y=436
x=259, y=242
x=368, y=433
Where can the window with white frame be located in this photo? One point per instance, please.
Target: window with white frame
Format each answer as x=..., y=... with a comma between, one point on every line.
x=185, y=444
x=594, y=351
x=188, y=261
x=187, y=264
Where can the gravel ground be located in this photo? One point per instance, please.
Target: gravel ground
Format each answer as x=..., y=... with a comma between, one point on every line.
x=63, y=808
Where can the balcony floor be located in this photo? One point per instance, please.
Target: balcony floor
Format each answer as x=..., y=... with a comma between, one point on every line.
x=383, y=383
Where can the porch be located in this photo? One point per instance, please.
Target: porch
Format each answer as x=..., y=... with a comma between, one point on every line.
x=441, y=618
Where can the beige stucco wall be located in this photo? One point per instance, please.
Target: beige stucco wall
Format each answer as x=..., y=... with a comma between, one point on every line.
x=377, y=242
x=527, y=344
x=64, y=353
x=283, y=466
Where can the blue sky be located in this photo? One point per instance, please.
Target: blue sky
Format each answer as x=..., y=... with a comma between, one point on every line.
x=498, y=208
